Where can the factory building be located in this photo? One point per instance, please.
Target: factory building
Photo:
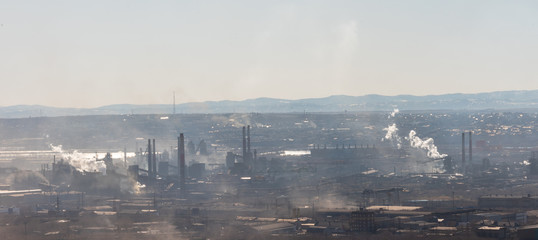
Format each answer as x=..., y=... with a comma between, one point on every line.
x=242, y=164
x=362, y=221
x=508, y=201
x=342, y=153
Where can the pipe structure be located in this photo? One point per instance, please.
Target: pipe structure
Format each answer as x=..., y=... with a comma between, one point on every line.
x=244, y=145
x=181, y=151
x=150, y=165
x=178, y=157
x=463, y=151
x=248, y=139
x=470, y=147
x=154, y=162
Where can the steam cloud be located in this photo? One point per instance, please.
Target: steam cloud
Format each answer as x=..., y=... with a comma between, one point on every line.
x=414, y=141
x=131, y=186
x=392, y=131
x=392, y=135
x=426, y=144
x=79, y=161
x=393, y=113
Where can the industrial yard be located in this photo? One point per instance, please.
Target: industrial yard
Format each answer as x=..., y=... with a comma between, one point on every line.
x=371, y=175
x=255, y=120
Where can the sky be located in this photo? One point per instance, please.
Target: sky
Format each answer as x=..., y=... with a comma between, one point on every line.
x=95, y=53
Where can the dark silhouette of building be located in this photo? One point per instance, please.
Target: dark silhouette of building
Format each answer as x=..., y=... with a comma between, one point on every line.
x=202, y=148
x=191, y=148
x=362, y=221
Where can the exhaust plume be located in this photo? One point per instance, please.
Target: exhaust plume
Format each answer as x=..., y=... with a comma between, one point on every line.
x=394, y=112
x=414, y=141
x=79, y=161
x=392, y=135
x=426, y=144
x=392, y=131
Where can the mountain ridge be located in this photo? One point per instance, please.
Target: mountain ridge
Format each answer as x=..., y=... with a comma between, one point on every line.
x=517, y=99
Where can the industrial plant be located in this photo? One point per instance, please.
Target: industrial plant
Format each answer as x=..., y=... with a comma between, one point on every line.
x=364, y=175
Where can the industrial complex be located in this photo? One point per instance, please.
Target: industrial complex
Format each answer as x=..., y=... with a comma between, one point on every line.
x=271, y=176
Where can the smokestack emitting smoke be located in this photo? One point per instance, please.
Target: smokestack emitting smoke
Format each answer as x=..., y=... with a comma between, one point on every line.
x=244, y=145
x=181, y=151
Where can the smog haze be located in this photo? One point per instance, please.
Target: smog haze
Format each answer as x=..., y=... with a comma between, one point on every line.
x=96, y=53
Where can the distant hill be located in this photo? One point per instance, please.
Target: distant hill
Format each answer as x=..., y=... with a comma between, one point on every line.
x=479, y=101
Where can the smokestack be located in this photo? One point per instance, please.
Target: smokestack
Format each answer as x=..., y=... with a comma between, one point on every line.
x=244, y=145
x=248, y=138
x=154, y=167
x=470, y=147
x=178, y=156
x=181, y=166
x=150, y=164
x=463, y=151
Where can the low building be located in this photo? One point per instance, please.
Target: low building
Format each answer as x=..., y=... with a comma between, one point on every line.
x=491, y=232
x=506, y=201
x=276, y=228
x=362, y=221
x=528, y=232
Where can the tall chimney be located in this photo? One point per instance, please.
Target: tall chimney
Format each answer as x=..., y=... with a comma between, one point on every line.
x=154, y=167
x=470, y=147
x=244, y=145
x=181, y=151
x=150, y=164
x=178, y=156
x=248, y=139
x=463, y=151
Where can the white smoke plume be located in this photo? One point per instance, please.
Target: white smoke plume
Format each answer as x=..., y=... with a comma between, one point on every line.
x=79, y=160
x=392, y=135
x=426, y=144
x=392, y=131
x=414, y=141
x=394, y=112
x=131, y=186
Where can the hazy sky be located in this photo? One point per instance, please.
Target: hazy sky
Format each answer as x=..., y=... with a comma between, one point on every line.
x=93, y=53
